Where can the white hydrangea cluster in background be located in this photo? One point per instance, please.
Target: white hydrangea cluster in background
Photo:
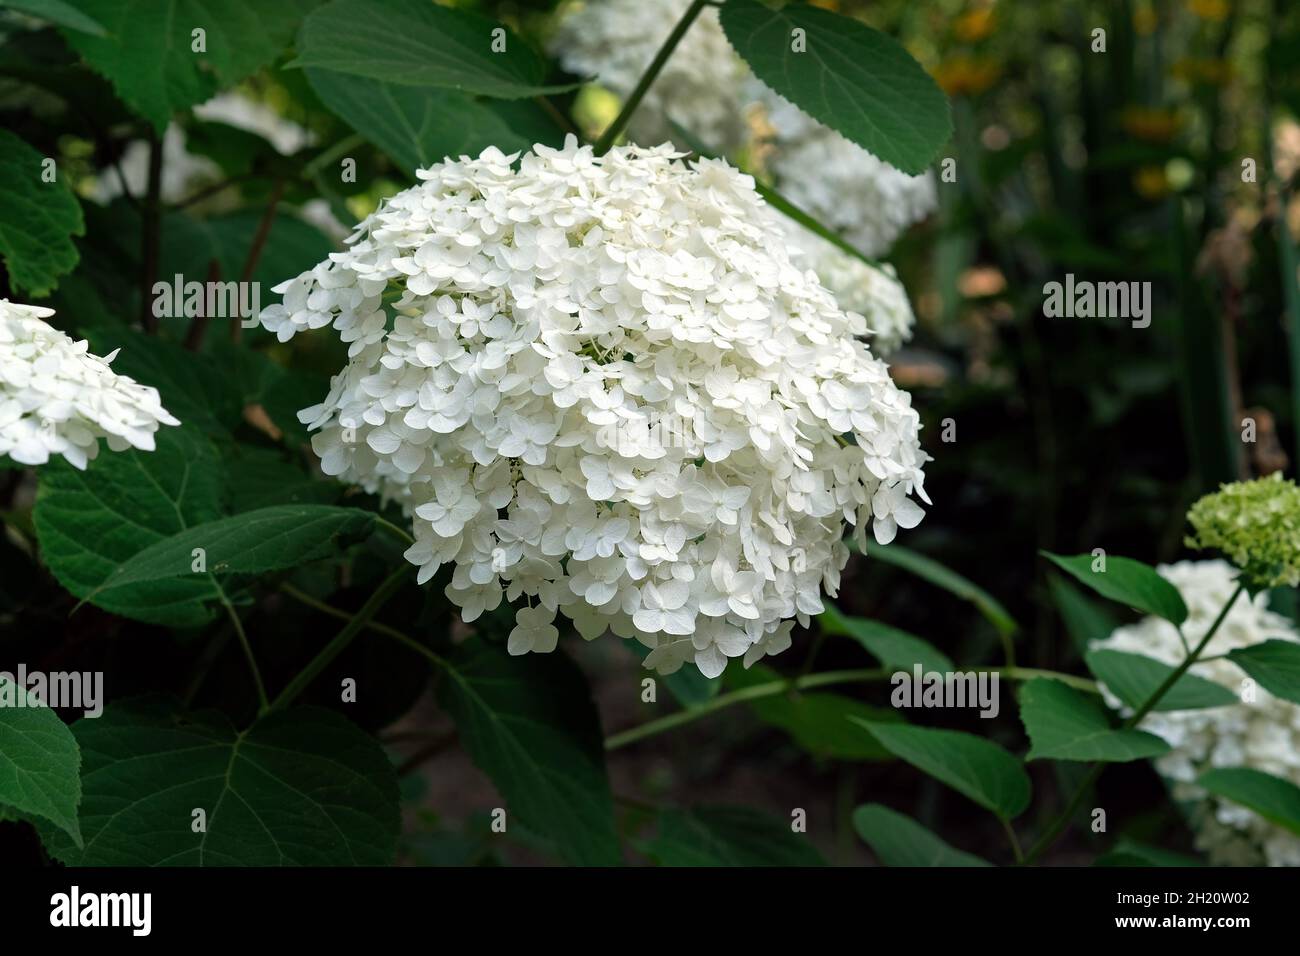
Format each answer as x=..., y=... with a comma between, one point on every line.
x=839, y=183
x=58, y=399
x=701, y=88
x=1263, y=734
x=605, y=387
x=858, y=286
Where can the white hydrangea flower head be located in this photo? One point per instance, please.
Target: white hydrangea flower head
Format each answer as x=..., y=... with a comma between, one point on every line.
x=858, y=286
x=838, y=183
x=56, y=398
x=702, y=87
x=599, y=384
x=1263, y=734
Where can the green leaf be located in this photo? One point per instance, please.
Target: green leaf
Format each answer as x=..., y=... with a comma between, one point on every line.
x=416, y=43
x=852, y=78
x=1134, y=678
x=58, y=12
x=1127, y=581
x=1274, y=664
x=1086, y=621
x=91, y=523
x=817, y=721
x=1067, y=724
x=895, y=649
x=930, y=570
x=299, y=788
x=268, y=539
x=148, y=52
x=1273, y=798
x=37, y=220
x=530, y=725
x=1128, y=852
x=973, y=766
x=262, y=477
x=729, y=836
x=899, y=840
x=421, y=125
x=39, y=760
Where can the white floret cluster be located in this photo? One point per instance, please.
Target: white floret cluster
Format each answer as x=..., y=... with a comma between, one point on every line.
x=1263, y=733
x=598, y=384
x=56, y=398
x=701, y=87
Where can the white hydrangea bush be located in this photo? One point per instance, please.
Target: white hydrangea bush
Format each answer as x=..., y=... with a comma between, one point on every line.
x=1263, y=733
x=599, y=386
x=56, y=398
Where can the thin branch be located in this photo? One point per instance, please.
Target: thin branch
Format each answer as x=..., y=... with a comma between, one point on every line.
x=151, y=235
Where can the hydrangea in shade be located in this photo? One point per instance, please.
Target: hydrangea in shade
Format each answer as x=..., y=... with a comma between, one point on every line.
x=1263, y=733
x=1256, y=524
x=598, y=385
x=58, y=399
x=701, y=88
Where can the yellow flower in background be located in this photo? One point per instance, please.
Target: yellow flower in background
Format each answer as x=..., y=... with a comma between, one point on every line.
x=967, y=75
x=1210, y=9
x=1150, y=124
x=1204, y=70
x=1150, y=182
x=973, y=25
x=1145, y=21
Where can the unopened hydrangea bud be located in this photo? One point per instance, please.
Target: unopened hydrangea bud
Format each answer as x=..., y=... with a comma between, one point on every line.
x=1256, y=525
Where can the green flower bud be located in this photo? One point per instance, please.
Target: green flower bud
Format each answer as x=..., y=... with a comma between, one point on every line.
x=1256, y=524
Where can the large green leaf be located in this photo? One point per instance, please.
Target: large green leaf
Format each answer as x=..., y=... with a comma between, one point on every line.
x=729, y=836
x=1134, y=678
x=973, y=766
x=817, y=721
x=930, y=570
x=39, y=761
x=1273, y=798
x=421, y=44
x=90, y=523
x=147, y=54
x=852, y=78
x=893, y=648
x=421, y=125
x=304, y=787
x=59, y=12
x=37, y=220
x=1127, y=581
x=1085, y=620
x=1067, y=724
x=530, y=725
x=899, y=840
x=1274, y=664
x=255, y=542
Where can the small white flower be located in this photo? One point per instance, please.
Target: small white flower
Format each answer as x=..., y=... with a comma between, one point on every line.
x=533, y=631
x=56, y=398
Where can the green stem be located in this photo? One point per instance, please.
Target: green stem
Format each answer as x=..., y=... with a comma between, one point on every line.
x=643, y=85
x=824, y=679
x=1059, y=824
x=262, y=703
x=1012, y=839
x=344, y=637
x=400, y=533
